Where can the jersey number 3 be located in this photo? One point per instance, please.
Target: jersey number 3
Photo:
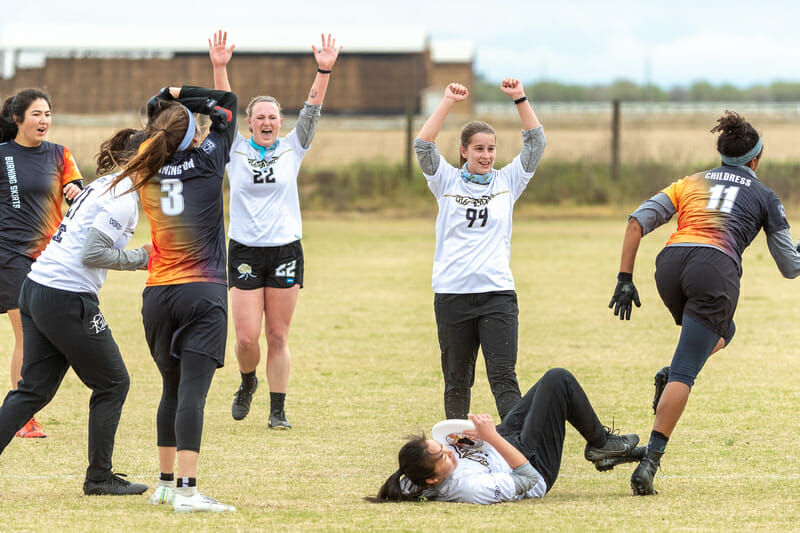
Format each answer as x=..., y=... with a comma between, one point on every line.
x=172, y=203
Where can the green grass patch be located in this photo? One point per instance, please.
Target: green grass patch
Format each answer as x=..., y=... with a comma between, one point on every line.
x=366, y=372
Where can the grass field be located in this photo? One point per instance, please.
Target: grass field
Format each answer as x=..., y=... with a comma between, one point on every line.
x=680, y=139
x=366, y=373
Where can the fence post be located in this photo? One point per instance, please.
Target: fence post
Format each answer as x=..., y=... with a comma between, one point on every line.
x=409, y=138
x=615, y=134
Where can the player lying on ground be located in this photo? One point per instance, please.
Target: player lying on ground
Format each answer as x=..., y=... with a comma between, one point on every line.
x=520, y=458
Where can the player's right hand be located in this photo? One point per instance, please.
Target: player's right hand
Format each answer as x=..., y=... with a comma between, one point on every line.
x=624, y=294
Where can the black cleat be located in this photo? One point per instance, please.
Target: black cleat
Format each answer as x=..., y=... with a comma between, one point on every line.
x=642, y=477
x=113, y=486
x=277, y=420
x=635, y=456
x=242, y=399
x=615, y=446
x=660, y=382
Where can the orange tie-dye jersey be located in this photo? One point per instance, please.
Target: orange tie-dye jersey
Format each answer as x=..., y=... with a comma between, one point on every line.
x=184, y=206
x=31, y=194
x=724, y=208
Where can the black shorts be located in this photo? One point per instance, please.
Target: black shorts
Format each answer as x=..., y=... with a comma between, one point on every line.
x=701, y=281
x=256, y=267
x=188, y=317
x=14, y=269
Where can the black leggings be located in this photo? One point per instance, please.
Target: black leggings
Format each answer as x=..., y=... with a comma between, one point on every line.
x=179, y=420
x=535, y=425
x=466, y=322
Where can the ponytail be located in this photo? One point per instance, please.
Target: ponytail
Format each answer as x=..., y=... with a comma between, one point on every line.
x=410, y=480
x=737, y=137
x=163, y=137
x=118, y=149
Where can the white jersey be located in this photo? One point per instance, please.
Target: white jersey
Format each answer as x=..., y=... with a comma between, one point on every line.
x=473, y=229
x=481, y=476
x=114, y=213
x=265, y=205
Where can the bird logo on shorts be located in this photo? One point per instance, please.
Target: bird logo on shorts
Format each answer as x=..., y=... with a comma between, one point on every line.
x=98, y=323
x=245, y=271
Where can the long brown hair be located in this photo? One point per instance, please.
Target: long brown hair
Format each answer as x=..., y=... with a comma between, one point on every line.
x=470, y=129
x=164, y=135
x=118, y=149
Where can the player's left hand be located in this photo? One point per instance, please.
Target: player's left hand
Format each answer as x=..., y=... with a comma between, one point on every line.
x=624, y=294
x=71, y=190
x=513, y=88
x=326, y=56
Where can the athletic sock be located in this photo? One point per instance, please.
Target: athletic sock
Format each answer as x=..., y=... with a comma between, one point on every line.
x=249, y=379
x=166, y=480
x=276, y=401
x=186, y=486
x=658, y=441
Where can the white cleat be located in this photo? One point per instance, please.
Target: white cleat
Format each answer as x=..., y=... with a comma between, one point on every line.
x=162, y=495
x=198, y=503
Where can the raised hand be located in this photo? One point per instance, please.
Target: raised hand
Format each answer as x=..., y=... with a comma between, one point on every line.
x=513, y=88
x=218, y=52
x=326, y=56
x=456, y=92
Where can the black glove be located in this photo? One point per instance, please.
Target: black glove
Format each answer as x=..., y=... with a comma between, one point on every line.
x=219, y=115
x=153, y=103
x=624, y=294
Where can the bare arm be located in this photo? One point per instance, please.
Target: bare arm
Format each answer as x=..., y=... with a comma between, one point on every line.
x=454, y=93
x=513, y=88
x=220, y=56
x=630, y=245
x=486, y=430
x=326, y=57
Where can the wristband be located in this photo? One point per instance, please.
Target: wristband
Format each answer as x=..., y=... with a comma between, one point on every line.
x=625, y=276
x=520, y=100
x=324, y=71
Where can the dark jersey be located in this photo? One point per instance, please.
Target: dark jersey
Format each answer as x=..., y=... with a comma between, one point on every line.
x=724, y=208
x=31, y=191
x=183, y=204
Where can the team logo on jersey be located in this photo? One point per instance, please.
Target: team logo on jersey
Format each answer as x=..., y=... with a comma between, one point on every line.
x=245, y=271
x=98, y=323
x=468, y=448
x=208, y=146
x=474, y=202
x=114, y=224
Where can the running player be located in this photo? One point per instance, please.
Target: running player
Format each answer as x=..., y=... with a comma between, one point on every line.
x=265, y=258
x=185, y=306
x=34, y=174
x=520, y=458
x=62, y=322
x=475, y=301
x=720, y=212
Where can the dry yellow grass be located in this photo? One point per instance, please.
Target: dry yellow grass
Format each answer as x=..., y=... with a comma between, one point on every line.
x=684, y=139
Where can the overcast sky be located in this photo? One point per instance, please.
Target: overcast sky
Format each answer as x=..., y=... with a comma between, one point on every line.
x=667, y=42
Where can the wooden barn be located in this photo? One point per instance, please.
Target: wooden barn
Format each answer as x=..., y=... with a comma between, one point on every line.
x=98, y=71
